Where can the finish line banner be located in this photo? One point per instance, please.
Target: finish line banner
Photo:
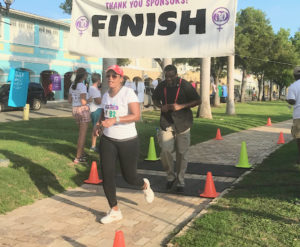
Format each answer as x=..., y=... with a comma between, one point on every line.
x=153, y=28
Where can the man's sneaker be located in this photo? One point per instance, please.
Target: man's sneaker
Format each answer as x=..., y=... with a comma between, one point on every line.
x=112, y=215
x=149, y=194
x=93, y=149
x=170, y=184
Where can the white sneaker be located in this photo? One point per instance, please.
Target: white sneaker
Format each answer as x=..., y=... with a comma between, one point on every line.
x=149, y=194
x=112, y=215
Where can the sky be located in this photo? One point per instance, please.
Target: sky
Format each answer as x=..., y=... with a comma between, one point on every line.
x=281, y=13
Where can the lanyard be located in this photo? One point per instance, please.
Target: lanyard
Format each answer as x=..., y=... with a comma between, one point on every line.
x=165, y=92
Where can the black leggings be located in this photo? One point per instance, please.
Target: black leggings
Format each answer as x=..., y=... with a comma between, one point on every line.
x=127, y=152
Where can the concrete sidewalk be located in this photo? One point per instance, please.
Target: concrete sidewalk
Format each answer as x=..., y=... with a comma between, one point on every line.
x=51, y=109
x=72, y=218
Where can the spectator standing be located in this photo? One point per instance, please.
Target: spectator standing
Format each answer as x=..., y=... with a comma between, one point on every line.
x=156, y=82
x=140, y=91
x=119, y=140
x=80, y=111
x=293, y=98
x=149, y=90
x=175, y=97
x=95, y=105
x=130, y=84
x=193, y=84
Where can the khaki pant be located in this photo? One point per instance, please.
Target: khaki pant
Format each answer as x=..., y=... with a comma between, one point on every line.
x=296, y=128
x=169, y=142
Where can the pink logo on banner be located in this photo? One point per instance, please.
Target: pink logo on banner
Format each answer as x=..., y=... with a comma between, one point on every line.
x=82, y=24
x=56, y=82
x=220, y=17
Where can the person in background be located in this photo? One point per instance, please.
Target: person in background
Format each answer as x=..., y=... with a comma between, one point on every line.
x=155, y=83
x=175, y=97
x=119, y=141
x=95, y=105
x=125, y=79
x=149, y=90
x=140, y=91
x=130, y=84
x=193, y=84
x=80, y=111
x=293, y=98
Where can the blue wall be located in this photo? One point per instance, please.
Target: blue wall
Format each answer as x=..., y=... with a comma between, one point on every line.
x=37, y=59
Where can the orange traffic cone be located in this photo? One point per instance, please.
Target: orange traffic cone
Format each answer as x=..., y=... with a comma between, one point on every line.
x=280, y=139
x=93, y=178
x=210, y=190
x=218, y=136
x=119, y=239
x=269, y=123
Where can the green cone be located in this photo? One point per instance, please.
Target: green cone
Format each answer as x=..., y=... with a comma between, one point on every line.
x=243, y=163
x=151, y=151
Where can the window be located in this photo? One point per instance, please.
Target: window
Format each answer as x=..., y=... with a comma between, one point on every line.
x=21, y=32
x=49, y=37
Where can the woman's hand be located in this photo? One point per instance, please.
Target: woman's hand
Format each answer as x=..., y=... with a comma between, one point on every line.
x=108, y=122
x=97, y=130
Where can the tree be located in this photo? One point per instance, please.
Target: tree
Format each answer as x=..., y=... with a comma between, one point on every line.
x=254, y=36
x=296, y=43
x=66, y=6
x=283, y=55
x=230, y=107
x=285, y=79
x=205, y=110
x=123, y=61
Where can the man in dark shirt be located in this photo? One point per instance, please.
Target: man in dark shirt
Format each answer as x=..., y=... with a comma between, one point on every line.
x=175, y=96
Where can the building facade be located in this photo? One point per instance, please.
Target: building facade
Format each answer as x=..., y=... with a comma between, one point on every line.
x=40, y=45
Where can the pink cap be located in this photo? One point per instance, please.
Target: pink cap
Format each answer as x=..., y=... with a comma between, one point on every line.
x=115, y=68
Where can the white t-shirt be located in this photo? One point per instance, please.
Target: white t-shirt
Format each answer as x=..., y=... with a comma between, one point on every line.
x=80, y=89
x=118, y=106
x=94, y=92
x=294, y=93
x=140, y=91
x=130, y=84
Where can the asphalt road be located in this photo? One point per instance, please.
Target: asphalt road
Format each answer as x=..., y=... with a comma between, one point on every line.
x=51, y=109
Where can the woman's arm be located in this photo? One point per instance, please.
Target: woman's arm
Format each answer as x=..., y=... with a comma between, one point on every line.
x=83, y=99
x=97, y=100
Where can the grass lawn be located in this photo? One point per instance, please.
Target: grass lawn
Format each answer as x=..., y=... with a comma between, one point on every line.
x=41, y=150
x=260, y=211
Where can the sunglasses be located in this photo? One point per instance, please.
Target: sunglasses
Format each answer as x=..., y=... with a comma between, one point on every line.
x=113, y=76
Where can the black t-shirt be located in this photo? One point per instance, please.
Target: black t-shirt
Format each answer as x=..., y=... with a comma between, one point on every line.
x=182, y=119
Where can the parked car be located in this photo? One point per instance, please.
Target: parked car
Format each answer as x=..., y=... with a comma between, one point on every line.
x=35, y=97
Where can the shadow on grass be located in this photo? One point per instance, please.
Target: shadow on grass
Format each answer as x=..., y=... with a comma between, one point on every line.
x=54, y=134
x=40, y=176
x=251, y=213
x=213, y=242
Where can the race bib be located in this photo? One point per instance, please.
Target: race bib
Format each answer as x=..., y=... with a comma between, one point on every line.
x=111, y=111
